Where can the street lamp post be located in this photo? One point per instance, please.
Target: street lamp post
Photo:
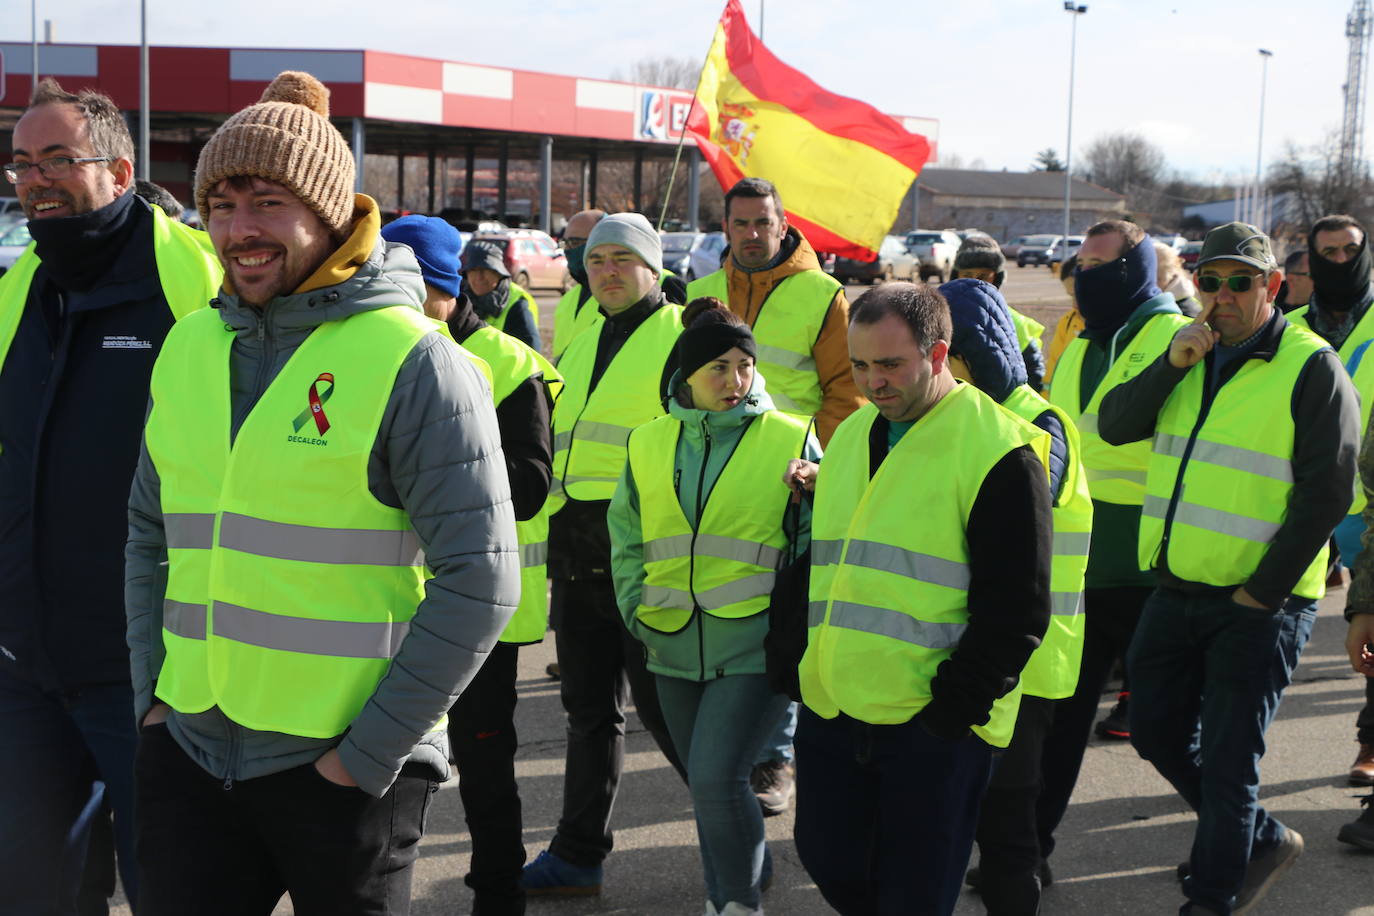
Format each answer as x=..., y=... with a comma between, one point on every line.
x=1076, y=9
x=145, y=165
x=1259, y=147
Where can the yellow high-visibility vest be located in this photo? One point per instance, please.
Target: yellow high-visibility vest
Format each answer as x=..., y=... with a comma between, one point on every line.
x=889, y=597
x=512, y=364
x=1219, y=484
x=725, y=564
x=591, y=428
x=290, y=586
x=1052, y=671
x=1116, y=473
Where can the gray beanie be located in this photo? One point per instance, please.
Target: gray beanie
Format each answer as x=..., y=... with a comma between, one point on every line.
x=632, y=231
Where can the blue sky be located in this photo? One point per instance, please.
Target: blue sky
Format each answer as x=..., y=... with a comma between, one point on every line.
x=1185, y=73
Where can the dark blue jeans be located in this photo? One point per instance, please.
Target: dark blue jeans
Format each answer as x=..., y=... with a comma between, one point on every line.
x=886, y=813
x=1207, y=675
x=66, y=761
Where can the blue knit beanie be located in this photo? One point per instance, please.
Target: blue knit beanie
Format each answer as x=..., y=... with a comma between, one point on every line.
x=437, y=246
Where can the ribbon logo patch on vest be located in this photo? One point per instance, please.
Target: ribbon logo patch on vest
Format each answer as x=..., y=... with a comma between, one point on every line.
x=315, y=409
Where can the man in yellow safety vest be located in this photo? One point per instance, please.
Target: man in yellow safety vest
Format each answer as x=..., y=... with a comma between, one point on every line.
x=1254, y=429
x=322, y=550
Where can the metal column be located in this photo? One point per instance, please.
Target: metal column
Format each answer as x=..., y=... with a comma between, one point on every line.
x=359, y=149
x=430, y=208
x=468, y=169
x=639, y=179
x=400, y=181
x=693, y=190
x=502, y=168
x=546, y=183
x=915, y=204
x=591, y=180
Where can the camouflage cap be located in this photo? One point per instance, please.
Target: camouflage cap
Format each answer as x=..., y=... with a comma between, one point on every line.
x=1238, y=242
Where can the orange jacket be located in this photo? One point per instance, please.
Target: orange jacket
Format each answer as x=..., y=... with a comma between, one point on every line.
x=748, y=293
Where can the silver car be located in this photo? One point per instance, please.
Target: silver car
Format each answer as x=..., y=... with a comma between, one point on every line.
x=13, y=240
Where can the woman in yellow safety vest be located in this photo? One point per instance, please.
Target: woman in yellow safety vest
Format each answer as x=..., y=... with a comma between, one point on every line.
x=699, y=523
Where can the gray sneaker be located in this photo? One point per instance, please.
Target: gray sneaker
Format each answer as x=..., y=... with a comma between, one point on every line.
x=1263, y=871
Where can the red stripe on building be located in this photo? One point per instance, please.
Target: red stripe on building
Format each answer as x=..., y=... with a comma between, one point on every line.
x=477, y=111
x=399, y=70
x=545, y=104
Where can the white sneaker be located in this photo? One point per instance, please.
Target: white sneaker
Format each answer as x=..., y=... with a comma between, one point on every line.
x=711, y=909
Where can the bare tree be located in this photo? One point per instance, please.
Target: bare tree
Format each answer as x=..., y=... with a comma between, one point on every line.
x=1122, y=160
x=1314, y=184
x=670, y=72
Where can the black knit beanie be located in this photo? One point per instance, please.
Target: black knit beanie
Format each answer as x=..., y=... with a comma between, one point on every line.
x=710, y=337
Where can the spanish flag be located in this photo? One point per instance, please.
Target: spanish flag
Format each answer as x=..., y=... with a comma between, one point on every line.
x=841, y=166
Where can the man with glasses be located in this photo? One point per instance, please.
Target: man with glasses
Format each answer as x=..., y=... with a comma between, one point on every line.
x=1254, y=427
x=83, y=313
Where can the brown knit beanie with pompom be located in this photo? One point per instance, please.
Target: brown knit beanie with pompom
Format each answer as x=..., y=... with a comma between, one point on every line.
x=287, y=138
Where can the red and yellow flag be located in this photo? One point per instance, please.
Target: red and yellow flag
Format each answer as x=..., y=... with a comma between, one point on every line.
x=841, y=166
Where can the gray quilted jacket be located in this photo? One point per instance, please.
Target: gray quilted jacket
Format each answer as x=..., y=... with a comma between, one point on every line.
x=438, y=456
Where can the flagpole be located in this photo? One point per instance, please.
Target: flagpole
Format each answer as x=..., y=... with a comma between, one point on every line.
x=682, y=138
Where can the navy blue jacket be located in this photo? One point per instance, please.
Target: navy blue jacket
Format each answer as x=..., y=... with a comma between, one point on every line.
x=985, y=339
x=73, y=394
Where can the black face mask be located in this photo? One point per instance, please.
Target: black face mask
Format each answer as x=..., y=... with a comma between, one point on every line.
x=1339, y=287
x=1107, y=294
x=490, y=304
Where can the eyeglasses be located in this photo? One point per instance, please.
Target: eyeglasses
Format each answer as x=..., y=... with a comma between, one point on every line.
x=1238, y=283
x=571, y=241
x=55, y=168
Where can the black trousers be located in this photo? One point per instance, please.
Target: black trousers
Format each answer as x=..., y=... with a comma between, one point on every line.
x=481, y=730
x=1008, y=840
x=1364, y=723
x=601, y=666
x=215, y=851
x=1110, y=622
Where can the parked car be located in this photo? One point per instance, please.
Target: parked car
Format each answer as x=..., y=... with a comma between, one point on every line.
x=1060, y=251
x=894, y=262
x=1013, y=248
x=1176, y=242
x=691, y=255
x=934, y=251
x=13, y=241
x=532, y=257
x=1190, y=253
x=1036, y=249
x=10, y=208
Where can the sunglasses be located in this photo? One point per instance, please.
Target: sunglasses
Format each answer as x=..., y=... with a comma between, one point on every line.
x=1239, y=283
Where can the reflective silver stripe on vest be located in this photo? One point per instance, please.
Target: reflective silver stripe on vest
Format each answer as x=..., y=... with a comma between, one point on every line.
x=189, y=530
x=1065, y=604
x=534, y=554
x=712, y=545
x=895, y=625
x=1235, y=457
x=1071, y=543
x=561, y=441
x=319, y=545
x=919, y=566
x=755, y=586
x=1217, y=520
x=826, y=552
x=1095, y=474
x=184, y=620
x=1087, y=423
x=782, y=401
x=785, y=358
x=591, y=431
x=574, y=478
x=346, y=639
x=815, y=613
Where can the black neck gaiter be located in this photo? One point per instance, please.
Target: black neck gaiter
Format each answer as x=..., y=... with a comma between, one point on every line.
x=78, y=250
x=1340, y=287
